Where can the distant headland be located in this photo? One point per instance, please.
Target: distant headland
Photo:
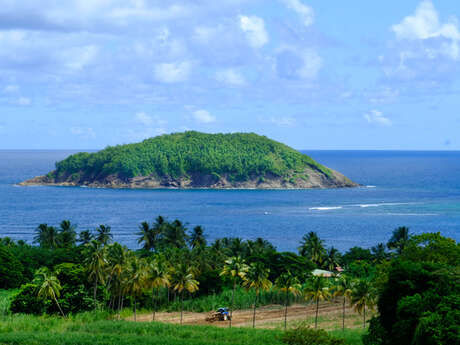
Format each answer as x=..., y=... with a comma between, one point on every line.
x=195, y=160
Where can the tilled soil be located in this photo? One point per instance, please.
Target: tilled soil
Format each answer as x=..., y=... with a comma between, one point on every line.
x=272, y=316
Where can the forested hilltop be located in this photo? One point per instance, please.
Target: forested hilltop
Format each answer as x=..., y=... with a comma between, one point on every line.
x=195, y=160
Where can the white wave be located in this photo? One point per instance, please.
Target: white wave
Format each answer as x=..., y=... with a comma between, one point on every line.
x=370, y=186
x=411, y=214
x=383, y=204
x=325, y=208
x=369, y=205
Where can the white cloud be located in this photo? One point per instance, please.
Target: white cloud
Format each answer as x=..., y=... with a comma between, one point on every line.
x=203, y=116
x=83, y=132
x=11, y=89
x=144, y=118
x=24, y=101
x=79, y=57
x=254, y=28
x=292, y=63
x=172, y=72
x=304, y=11
x=283, y=121
x=230, y=77
x=376, y=117
x=424, y=25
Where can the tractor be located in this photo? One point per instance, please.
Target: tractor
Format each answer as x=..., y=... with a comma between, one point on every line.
x=221, y=314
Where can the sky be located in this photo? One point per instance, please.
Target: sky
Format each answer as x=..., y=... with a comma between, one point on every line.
x=314, y=74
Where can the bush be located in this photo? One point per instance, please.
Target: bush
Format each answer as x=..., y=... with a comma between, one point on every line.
x=10, y=269
x=25, y=301
x=304, y=335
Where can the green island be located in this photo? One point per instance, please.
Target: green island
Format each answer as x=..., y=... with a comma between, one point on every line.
x=195, y=160
x=79, y=287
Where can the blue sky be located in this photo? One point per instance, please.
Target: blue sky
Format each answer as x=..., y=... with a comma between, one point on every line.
x=315, y=74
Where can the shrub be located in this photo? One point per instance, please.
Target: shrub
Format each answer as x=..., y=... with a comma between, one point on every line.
x=304, y=335
x=25, y=301
x=10, y=269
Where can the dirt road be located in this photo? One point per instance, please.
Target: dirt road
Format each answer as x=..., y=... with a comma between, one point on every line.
x=330, y=316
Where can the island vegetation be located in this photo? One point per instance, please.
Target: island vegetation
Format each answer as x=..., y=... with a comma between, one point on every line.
x=406, y=291
x=195, y=160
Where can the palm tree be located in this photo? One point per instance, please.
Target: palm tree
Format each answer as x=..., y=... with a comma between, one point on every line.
x=363, y=294
x=117, y=257
x=67, y=234
x=146, y=236
x=157, y=277
x=288, y=283
x=331, y=260
x=48, y=285
x=103, y=235
x=183, y=279
x=379, y=252
x=135, y=279
x=235, y=268
x=316, y=290
x=343, y=288
x=175, y=235
x=46, y=236
x=257, y=278
x=312, y=247
x=85, y=237
x=399, y=239
x=96, y=264
x=197, y=239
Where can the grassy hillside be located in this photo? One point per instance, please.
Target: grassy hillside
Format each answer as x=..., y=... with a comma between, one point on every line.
x=237, y=156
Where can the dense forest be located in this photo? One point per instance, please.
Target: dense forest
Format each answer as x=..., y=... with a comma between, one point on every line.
x=413, y=280
x=238, y=155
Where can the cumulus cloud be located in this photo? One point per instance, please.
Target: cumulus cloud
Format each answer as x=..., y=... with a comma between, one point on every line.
x=293, y=63
x=83, y=132
x=254, y=28
x=376, y=117
x=144, y=118
x=172, y=72
x=283, y=121
x=424, y=26
x=11, y=89
x=24, y=101
x=230, y=77
x=203, y=116
x=304, y=11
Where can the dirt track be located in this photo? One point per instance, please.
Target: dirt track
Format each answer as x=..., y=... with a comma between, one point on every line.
x=330, y=316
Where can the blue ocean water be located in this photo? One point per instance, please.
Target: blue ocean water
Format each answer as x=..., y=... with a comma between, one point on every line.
x=416, y=189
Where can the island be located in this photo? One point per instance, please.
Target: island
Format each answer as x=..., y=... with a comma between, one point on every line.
x=195, y=160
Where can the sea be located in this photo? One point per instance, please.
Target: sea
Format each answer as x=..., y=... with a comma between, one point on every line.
x=418, y=189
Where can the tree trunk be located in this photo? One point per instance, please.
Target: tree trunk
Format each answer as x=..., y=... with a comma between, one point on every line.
x=134, y=309
x=316, y=317
x=364, y=317
x=119, y=305
x=153, y=304
x=233, y=302
x=285, y=311
x=343, y=318
x=59, y=306
x=94, y=294
x=254, y=314
x=181, y=306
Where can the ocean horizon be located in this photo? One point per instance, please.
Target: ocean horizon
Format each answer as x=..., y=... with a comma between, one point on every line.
x=418, y=189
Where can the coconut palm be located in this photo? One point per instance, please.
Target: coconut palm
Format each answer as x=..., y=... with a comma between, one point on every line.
x=399, y=239
x=96, y=264
x=235, y=268
x=117, y=257
x=48, y=286
x=157, y=277
x=312, y=247
x=103, y=234
x=146, y=236
x=379, y=252
x=85, y=237
x=183, y=279
x=316, y=290
x=67, y=234
x=363, y=295
x=175, y=235
x=343, y=288
x=288, y=284
x=331, y=259
x=257, y=278
x=197, y=239
x=46, y=236
x=134, y=279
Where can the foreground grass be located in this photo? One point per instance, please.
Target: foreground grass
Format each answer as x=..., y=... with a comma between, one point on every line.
x=93, y=329
x=84, y=329
x=5, y=301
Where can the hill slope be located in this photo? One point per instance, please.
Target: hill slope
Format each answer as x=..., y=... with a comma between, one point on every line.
x=195, y=160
